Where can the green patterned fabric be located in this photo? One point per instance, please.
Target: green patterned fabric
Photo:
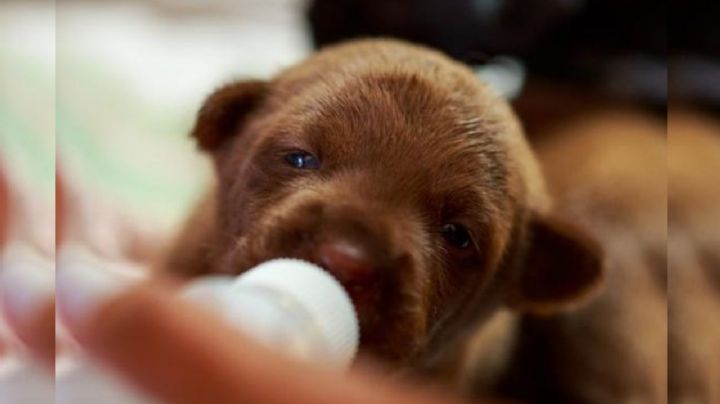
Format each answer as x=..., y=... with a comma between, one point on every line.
x=129, y=151
x=26, y=122
x=110, y=143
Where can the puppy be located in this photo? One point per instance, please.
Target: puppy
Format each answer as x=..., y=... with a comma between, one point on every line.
x=394, y=169
x=694, y=257
x=606, y=172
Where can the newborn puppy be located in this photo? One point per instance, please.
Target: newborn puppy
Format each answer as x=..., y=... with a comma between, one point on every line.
x=694, y=257
x=606, y=172
x=394, y=169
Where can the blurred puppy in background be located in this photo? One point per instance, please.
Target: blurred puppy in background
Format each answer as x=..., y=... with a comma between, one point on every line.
x=694, y=257
x=399, y=173
x=607, y=174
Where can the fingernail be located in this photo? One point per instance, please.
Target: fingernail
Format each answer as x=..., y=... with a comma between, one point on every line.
x=27, y=283
x=85, y=282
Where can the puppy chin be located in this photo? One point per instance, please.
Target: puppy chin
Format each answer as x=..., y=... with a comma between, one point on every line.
x=393, y=328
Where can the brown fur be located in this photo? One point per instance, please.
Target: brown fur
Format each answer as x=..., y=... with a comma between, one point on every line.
x=408, y=140
x=606, y=172
x=694, y=257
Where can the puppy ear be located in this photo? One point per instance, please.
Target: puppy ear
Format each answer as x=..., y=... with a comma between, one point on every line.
x=563, y=268
x=225, y=111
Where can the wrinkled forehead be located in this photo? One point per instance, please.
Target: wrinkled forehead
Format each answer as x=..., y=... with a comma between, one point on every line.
x=395, y=119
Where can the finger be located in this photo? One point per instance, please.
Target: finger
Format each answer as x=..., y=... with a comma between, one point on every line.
x=181, y=354
x=38, y=335
x=27, y=297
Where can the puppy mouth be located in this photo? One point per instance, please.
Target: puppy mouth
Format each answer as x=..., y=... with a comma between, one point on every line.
x=364, y=296
x=388, y=329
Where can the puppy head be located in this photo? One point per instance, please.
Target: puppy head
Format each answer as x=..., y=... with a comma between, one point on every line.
x=396, y=171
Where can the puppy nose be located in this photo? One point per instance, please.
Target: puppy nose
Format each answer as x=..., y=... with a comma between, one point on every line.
x=347, y=262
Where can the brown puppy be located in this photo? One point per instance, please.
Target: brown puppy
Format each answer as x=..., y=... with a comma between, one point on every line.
x=694, y=257
x=606, y=172
x=398, y=172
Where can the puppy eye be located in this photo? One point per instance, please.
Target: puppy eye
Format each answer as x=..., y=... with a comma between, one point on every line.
x=302, y=160
x=456, y=235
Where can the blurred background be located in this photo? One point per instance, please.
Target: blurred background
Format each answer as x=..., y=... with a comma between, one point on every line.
x=97, y=98
x=27, y=173
x=128, y=77
x=131, y=74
